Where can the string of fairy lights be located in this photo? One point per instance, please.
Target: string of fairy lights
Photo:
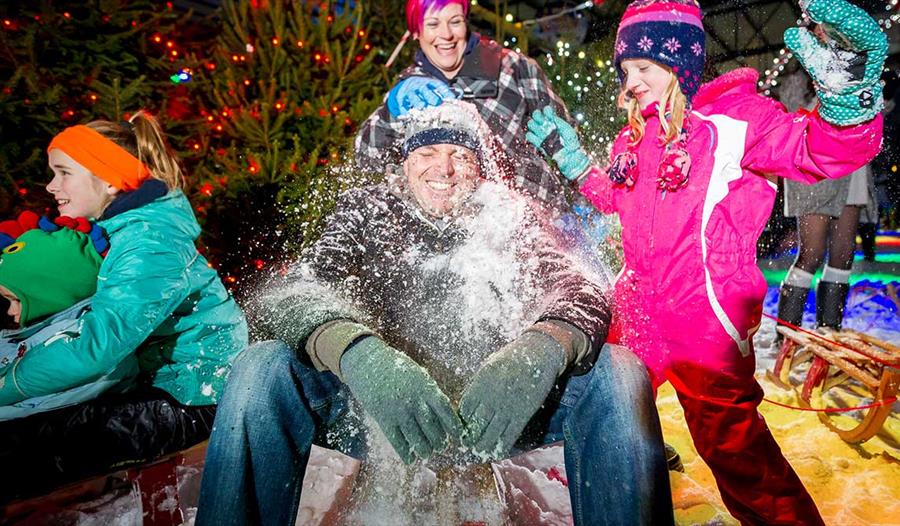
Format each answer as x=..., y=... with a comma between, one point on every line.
x=770, y=75
x=583, y=86
x=603, y=75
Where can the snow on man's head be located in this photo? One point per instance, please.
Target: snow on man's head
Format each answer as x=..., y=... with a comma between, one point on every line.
x=453, y=122
x=443, y=152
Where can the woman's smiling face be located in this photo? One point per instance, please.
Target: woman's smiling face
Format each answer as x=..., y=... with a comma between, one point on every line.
x=443, y=38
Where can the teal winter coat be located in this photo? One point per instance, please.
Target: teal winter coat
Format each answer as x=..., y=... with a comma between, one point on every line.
x=157, y=299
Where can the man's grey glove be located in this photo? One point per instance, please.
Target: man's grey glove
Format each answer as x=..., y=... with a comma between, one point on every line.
x=847, y=71
x=409, y=407
x=507, y=390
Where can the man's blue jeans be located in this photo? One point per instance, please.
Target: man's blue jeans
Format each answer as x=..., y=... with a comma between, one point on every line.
x=275, y=406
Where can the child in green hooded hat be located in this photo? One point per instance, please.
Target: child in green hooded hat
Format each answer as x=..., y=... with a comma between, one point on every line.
x=48, y=272
x=46, y=268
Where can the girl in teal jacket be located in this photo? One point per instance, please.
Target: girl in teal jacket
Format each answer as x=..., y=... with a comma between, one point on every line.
x=157, y=300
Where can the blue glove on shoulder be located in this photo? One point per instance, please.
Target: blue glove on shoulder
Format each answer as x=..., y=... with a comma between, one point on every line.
x=417, y=93
x=550, y=133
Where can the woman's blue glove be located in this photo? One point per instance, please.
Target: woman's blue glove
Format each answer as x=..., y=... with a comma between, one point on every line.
x=507, y=390
x=409, y=407
x=416, y=93
x=551, y=133
x=847, y=75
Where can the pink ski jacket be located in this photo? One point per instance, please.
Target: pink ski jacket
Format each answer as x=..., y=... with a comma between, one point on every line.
x=690, y=284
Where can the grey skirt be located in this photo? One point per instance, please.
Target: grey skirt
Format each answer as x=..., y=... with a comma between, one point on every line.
x=829, y=197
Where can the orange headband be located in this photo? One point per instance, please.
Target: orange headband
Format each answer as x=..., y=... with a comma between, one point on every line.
x=104, y=158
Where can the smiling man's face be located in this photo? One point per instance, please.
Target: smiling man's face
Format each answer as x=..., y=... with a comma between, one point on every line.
x=441, y=176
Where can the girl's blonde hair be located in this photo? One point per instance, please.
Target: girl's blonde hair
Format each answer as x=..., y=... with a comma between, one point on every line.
x=670, y=128
x=143, y=137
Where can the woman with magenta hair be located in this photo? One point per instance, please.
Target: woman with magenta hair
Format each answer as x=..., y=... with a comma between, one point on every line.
x=452, y=63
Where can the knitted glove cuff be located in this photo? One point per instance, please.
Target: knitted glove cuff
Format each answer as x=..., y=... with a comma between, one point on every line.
x=579, y=181
x=573, y=340
x=572, y=162
x=853, y=108
x=327, y=344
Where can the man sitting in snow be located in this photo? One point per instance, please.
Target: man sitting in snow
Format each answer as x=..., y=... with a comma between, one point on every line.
x=443, y=289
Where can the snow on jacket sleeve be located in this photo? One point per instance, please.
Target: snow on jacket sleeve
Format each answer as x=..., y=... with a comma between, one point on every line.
x=137, y=289
x=573, y=292
x=801, y=146
x=316, y=289
x=598, y=189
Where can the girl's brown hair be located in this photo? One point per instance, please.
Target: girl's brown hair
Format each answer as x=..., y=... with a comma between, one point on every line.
x=669, y=129
x=143, y=137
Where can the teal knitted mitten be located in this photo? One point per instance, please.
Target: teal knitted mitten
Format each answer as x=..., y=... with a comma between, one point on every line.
x=550, y=133
x=846, y=70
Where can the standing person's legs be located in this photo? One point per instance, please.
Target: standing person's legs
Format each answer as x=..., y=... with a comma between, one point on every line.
x=50, y=449
x=833, y=288
x=867, y=234
x=271, y=411
x=720, y=397
x=813, y=231
x=813, y=234
x=615, y=462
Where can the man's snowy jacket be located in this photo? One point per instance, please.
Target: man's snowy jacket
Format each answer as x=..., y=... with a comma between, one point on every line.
x=505, y=86
x=156, y=300
x=448, y=295
x=690, y=278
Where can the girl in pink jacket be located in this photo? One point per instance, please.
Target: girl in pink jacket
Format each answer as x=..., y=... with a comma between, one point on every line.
x=692, y=177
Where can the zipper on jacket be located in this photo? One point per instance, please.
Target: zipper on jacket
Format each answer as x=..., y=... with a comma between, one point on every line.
x=656, y=199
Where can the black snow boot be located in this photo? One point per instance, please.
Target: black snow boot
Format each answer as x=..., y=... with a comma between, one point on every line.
x=830, y=300
x=792, y=303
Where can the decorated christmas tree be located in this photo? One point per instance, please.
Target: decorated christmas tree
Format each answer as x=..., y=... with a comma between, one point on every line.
x=274, y=108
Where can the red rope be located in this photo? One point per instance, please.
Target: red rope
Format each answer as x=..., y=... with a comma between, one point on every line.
x=890, y=400
x=839, y=344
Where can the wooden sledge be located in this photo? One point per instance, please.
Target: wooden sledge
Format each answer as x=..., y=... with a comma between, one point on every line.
x=862, y=367
x=154, y=490
x=154, y=482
